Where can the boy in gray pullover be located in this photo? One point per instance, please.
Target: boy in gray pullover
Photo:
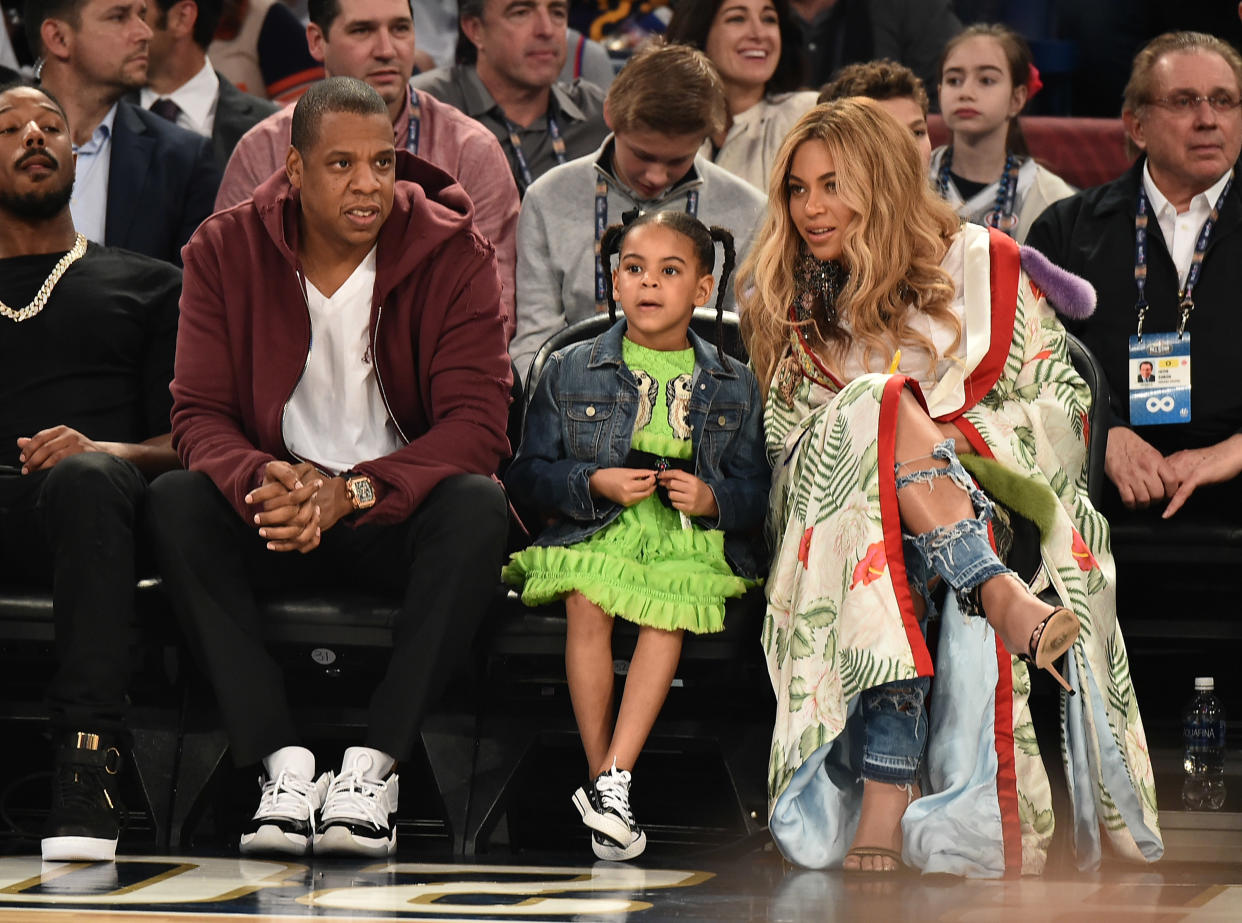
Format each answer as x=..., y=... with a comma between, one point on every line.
x=661, y=107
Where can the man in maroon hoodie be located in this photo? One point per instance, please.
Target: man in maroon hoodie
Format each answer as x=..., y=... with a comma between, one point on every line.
x=339, y=400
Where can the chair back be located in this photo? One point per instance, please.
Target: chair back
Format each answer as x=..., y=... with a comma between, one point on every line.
x=703, y=323
x=1089, y=368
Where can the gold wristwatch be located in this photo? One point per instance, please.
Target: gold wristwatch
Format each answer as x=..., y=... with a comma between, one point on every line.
x=360, y=490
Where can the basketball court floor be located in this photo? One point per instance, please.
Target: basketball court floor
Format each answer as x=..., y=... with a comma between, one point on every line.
x=754, y=885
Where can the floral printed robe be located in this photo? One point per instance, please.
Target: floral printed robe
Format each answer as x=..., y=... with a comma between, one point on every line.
x=840, y=617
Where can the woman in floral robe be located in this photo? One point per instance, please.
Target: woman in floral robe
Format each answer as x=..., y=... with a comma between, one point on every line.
x=877, y=322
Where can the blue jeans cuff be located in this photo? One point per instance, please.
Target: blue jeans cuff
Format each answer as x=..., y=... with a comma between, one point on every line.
x=894, y=729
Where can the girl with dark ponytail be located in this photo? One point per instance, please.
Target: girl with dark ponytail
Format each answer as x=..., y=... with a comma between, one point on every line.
x=644, y=449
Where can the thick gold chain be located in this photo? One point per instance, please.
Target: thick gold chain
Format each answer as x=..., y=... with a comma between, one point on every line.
x=45, y=292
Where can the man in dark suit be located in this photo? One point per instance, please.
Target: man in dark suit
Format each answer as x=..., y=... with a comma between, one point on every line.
x=183, y=87
x=143, y=183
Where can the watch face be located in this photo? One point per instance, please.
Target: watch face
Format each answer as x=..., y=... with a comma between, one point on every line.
x=364, y=493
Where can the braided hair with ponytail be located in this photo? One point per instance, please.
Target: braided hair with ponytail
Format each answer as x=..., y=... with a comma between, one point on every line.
x=703, y=239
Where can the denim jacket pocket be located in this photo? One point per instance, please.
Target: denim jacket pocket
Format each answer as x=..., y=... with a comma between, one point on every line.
x=720, y=425
x=586, y=422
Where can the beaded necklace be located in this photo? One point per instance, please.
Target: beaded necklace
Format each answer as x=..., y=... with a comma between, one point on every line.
x=1002, y=215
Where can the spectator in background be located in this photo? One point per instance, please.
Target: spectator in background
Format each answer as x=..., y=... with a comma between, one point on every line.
x=435, y=21
x=753, y=45
x=85, y=361
x=661, y=107
x=508, y=60
x=986, y=172
x=895, y=87
x=350, y=316
x=840, y=32
x=373, y=40
x=1182, y=113
x=260, y=45
x=181, y=85
x=142, y=183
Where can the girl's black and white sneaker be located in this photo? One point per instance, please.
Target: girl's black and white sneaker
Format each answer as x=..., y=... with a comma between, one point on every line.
x=606, y=849
x=605, y=807
x=284, y=824
x=359, y=813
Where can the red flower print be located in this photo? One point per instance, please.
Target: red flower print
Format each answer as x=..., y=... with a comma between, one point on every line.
x=1044, y=354
x=1086, y=427
x=804, y=548
x=871, y=567
x=1036, y=292
x=1081, y=553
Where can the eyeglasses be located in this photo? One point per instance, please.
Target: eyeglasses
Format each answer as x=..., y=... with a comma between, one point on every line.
x=1185, y=103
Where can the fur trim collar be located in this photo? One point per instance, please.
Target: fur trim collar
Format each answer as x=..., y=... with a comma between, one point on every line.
x=1070, y=296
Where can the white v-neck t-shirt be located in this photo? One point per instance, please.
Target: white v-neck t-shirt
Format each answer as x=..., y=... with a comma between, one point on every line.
x=336, y=417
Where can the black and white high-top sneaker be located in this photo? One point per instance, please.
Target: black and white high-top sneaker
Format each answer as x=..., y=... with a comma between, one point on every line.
x=284, y=823
x=85, y=822
x=605, y=807
x=359, y=813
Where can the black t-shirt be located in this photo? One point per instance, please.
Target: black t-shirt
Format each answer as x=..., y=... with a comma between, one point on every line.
x=98, y=357
x=967, y=188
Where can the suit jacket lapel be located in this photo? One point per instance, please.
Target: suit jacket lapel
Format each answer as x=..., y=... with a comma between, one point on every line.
x=131, y=156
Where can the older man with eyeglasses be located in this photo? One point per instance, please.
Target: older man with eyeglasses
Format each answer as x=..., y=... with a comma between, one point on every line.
x=1163, y=246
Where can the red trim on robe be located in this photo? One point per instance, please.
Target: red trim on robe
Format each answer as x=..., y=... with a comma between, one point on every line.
x=890, y=517
x=1002, y=716
x=1004, y=267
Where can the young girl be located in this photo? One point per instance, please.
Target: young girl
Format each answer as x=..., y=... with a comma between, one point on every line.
x=645, y=448
x=987, y=173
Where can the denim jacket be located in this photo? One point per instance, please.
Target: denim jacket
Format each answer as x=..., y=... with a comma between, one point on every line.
x=581, y=418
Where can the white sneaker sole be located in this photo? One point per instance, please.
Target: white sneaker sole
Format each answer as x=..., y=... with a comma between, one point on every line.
x=613, y=853
x=339, y=841
x=609, y=825
x=270, y=839
x=78, y=849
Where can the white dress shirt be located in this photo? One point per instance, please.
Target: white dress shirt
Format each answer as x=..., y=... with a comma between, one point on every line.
x=1181, y=231
x=336, y=416
x=196, y=98
x=89, y=204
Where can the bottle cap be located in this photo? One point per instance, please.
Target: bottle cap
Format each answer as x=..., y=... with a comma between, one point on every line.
x=1204, y=684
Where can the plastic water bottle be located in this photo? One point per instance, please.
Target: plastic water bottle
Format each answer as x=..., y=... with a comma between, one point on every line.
x=1203, y=732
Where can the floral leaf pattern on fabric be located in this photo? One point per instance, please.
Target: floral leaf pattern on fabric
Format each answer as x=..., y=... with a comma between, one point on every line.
x=827, y=464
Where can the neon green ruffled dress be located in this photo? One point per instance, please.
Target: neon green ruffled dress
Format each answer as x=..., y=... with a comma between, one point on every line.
x=644, y=566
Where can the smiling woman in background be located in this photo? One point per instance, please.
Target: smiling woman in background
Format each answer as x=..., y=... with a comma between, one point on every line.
x=754, y=47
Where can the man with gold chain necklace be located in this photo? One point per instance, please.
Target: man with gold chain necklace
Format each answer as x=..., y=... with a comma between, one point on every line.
x=87, y=336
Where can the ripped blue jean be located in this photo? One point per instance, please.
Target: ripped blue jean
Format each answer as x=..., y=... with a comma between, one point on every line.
x=894, y=714
x=894, y=729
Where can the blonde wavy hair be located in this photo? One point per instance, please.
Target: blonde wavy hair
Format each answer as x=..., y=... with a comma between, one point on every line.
x=892, y=248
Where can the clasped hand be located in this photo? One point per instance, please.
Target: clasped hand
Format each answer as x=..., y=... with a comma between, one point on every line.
x=296, y=504
x=1145, y=477
x=628, y=486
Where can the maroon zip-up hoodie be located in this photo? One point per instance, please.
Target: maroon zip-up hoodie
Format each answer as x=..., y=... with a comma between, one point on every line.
x=437, y=338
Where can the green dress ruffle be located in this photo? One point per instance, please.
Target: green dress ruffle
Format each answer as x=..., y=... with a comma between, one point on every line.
x=644, y=566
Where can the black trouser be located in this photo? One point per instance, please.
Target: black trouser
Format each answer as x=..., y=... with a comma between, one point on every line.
x=73, y=524
x=445, y=560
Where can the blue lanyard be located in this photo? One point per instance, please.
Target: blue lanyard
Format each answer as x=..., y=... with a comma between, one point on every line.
x=515, y=142
x=416, y=114
x=1185, y=297
x=601, y=225
x=1002, y=215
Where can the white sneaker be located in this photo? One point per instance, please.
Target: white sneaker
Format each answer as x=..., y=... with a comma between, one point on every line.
x=359, y=814
x=285, y=820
